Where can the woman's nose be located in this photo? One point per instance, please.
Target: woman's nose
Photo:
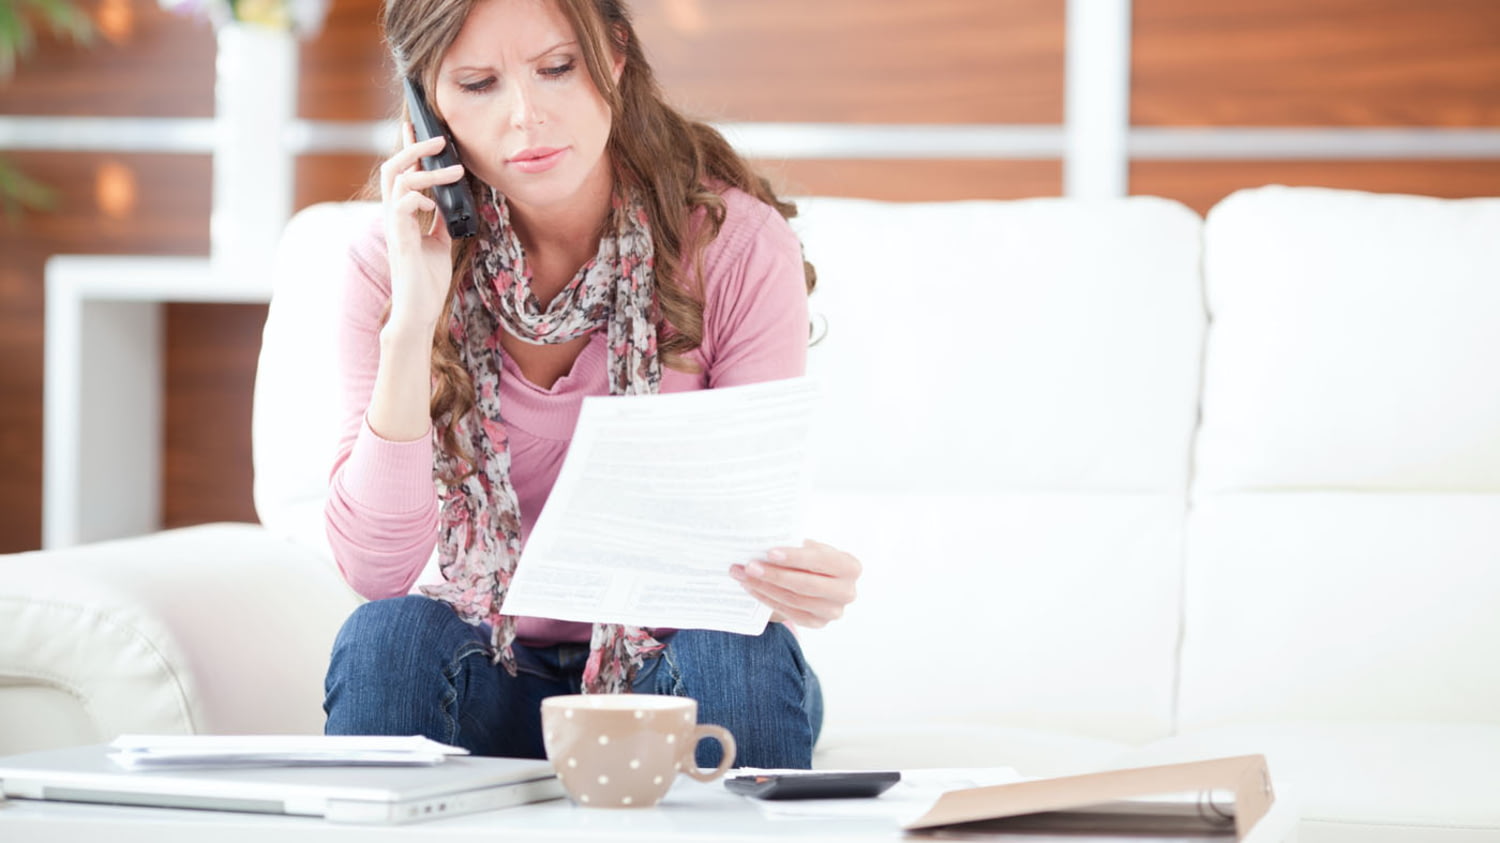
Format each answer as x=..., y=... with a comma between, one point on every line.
x=524, y=112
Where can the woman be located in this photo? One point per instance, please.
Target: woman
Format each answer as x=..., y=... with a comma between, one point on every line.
x=622, y=249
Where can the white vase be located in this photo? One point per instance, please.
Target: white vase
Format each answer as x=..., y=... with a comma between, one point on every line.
x=255, y=101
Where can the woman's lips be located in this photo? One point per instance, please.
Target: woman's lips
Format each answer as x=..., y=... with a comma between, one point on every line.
x=537, y=160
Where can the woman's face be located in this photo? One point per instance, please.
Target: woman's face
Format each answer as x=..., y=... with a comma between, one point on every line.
x=519, y=100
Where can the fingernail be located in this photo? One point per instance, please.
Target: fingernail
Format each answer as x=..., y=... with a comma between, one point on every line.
x=737, y=572
x=777, y=556
x=755, y=569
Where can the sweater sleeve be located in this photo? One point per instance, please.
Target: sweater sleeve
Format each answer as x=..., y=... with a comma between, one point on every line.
x=756, y=315
x=381, y=515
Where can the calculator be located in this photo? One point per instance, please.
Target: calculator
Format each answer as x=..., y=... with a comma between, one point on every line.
x=813, y=784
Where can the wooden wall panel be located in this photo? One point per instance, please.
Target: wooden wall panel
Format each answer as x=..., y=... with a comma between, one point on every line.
x=914, y=180
x=897, y=61
x=20, y=396
x=345, y=71
x=210, y=355
x=1316, y=63
x=1201, y=184
x=145, y=62
x=107, y=204
x=333, y=178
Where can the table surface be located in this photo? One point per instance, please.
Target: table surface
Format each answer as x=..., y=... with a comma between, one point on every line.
x=691, y=811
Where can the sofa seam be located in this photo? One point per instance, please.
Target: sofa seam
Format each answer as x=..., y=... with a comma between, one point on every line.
x=1190, y=479
x=99, y=616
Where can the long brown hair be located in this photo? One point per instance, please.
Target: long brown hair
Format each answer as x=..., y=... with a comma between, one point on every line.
x=674, y=162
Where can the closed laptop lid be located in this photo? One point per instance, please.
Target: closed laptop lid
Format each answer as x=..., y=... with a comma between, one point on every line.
x=460, y=784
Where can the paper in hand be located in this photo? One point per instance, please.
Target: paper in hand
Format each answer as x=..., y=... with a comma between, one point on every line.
x=658, y=496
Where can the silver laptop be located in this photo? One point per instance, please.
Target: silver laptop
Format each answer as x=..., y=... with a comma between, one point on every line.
x=459, y=785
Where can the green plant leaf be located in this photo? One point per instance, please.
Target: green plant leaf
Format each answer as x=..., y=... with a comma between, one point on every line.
x=18, y=193
x=19, y=20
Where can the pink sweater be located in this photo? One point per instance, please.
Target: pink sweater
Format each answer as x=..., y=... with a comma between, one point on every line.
x=382, y=505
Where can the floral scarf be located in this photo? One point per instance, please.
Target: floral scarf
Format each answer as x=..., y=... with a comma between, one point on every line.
x=480, y=517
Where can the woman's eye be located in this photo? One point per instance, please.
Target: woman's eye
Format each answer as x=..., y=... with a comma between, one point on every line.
x=477, y=87
x=558, y=71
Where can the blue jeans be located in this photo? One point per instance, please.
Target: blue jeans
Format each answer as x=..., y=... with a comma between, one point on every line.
x=410, y=666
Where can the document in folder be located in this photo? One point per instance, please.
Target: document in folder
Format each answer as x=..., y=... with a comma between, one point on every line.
x=1223, y=797
x=658, y=496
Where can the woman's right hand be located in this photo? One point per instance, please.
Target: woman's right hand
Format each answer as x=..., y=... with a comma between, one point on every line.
x=418, y=243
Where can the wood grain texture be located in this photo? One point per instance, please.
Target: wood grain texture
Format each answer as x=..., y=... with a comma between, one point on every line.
x=346, y=73
x=210, y=354
x=1316, y=63
x=144, y=62
x=333, y=178
x=914, y=180
x=147, y=62
x=873, y=61
x=1201, y=184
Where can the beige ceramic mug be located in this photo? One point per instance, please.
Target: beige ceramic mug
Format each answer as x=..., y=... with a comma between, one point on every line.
x=624, y=750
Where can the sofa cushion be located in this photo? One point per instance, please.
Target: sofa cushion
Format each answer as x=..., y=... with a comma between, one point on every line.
x=972, y=347
x=1370, y=782
x=1354, y=343
x=1010, y=390
x=1342, y=539
x=297, y=416
x=1341, y=606
x=173, y=633
x=1054, y=613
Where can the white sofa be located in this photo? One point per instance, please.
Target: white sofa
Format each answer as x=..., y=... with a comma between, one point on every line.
x=1130, y=487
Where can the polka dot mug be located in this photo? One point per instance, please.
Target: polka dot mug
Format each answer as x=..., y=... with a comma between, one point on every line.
x=625, y=750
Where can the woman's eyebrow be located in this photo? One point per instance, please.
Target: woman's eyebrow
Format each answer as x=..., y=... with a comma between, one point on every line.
x=481, y=66
x=553, y=48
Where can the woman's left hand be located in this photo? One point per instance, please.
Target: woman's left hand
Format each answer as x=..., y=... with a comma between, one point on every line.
x=808, y=585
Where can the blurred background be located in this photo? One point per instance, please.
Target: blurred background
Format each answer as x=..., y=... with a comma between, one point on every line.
x=885, y=99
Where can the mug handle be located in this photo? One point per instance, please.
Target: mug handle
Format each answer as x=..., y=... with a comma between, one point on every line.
x=726, y=740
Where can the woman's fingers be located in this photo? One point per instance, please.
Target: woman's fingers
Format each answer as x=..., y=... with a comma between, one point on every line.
x=407, y=159
x=417, y=242
x=414, y=180
x=809, y=585
x=411, y=203
x=802, y=609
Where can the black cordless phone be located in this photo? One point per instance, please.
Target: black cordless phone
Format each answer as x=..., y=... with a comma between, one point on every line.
x=453, y=200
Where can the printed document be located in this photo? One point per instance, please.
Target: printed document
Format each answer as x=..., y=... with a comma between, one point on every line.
x=658, y=496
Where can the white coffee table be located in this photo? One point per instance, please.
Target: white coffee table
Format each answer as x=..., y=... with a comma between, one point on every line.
x=691, y=812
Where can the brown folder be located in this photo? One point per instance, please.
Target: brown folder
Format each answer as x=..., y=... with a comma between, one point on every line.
x=1096, y=802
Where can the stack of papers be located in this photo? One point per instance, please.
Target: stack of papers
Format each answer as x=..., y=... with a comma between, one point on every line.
x=160, y=752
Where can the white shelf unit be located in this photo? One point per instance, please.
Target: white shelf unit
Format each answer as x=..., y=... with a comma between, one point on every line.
x=102, y=398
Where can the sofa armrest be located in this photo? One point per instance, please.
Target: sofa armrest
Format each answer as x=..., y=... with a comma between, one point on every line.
x=222, y=628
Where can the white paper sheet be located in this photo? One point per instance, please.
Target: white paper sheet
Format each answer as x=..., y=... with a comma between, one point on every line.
x=658, y=496
x=153, y=752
